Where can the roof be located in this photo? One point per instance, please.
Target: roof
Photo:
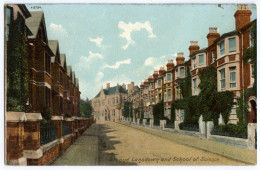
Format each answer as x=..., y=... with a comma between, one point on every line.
x=34, y=22
x=113, y=90
x=234, y=32
x=199, y=51
x=53, y=44
x=25, y=11
x=77, y=82
x=63, y=61
x=69, y=71
x=73, y=77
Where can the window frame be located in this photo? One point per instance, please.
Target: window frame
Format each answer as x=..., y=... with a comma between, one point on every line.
x=234, y=81
x=229, y=44
x=221, y=79
x=182, y=74
x=222, y=42
x=201, y=56
x=194, y=81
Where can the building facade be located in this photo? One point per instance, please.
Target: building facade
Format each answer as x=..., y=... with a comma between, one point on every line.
x=224, y=52
x=108, y=103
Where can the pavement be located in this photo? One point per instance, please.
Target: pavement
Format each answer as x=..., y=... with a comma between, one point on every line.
x=110, y=143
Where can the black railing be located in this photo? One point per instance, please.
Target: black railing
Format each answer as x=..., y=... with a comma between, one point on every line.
x=170, y=125
x=65, y=129
x=47, y=134
x=156, y=122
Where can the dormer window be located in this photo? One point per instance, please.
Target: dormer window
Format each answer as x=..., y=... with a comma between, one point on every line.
x=201, y=59
x=232, y=44
x=222, y=48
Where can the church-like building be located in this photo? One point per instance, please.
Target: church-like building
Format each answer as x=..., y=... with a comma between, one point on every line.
x=108, y=103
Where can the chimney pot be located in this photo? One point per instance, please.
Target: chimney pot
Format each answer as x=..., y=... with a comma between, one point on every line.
x=193, y=47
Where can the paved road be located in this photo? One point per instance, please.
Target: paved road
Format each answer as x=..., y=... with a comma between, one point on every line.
x=110, y=143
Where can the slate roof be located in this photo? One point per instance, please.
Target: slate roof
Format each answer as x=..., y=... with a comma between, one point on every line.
x=113, y=90
x=53, y=44
x=63, y=61
x=69, y=71
x=234, y=32
x=33, y=22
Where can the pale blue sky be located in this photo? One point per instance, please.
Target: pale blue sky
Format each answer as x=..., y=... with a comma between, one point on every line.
x=90, y=37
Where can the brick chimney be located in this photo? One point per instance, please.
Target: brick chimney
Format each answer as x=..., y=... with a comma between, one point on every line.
x=194, y=47
x=212, y=35
x=170, y=64
x=108, y=86
x=161, y=71
x=150, y=78
x=146, y=82
x=155, y=74
x=242, y=16
x=180, y=58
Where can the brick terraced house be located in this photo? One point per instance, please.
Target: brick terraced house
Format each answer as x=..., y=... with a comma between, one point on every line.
x=52, y=85
x=224, y=53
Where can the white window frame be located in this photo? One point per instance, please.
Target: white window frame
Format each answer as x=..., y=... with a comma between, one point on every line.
x=234, y=81
x=199, y=56
x=213, y=56
x=221, y=79
x=229, y=44
x=223, y=41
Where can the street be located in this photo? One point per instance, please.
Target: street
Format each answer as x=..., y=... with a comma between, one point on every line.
x=110, y=143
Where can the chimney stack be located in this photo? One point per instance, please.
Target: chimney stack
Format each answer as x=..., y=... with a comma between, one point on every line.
x=124, y=86
x=194, y=47
x=155, y=74
x=242, y=16
x=180, y=58
x=108, y=86
x=212, y=35
x=161, y=71
x=170, y=65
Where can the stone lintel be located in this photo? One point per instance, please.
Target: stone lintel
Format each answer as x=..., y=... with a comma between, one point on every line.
x=57, y=118
x=33, y=117
x=15, y=117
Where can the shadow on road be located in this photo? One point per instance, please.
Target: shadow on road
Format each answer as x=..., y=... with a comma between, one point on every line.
x=107, y=144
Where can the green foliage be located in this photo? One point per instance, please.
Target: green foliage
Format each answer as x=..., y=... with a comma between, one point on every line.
x=185, y=85
x=230, y=130
x=158, y=111
x=250, y=55
x=173, y=112
x=86, y=109
x=17, y=70
x=46, y=116
x=242, y=110
x=208, y=93
x=128, y=109
x=224, y=103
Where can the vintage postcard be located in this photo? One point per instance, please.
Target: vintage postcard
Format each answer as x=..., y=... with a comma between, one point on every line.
x=130, y=84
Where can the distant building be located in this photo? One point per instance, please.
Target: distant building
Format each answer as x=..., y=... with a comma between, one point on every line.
x=108, y=103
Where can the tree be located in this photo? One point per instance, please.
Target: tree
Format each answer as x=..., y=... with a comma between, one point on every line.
x=86, y=109
x=158, y=111
x=17, y=70
x=128, y=109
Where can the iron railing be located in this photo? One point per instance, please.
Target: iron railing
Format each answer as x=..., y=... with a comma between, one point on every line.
x=65, y=129
x=47, y=134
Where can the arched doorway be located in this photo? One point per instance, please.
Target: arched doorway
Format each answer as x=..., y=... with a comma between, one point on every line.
x=252, y=115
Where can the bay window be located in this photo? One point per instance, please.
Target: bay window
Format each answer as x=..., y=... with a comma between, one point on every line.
x=169, y=94
x=182, y=71
x=232, y=72
x=194, y=86
x=222, y=79
x=169, y=77
x=201, y=59
x=222, y=48
x=232, y=44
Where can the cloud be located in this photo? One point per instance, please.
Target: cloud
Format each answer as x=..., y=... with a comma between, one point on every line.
x=91, y=56
x=118, y=63
x=58, y=30
x=97, y=40
x=157, y=62
x=99, y=76
x=149, y=61
x=128, y=28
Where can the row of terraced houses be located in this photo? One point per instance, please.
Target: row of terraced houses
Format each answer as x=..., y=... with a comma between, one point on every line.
x=224, y=52
x=52, y=85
